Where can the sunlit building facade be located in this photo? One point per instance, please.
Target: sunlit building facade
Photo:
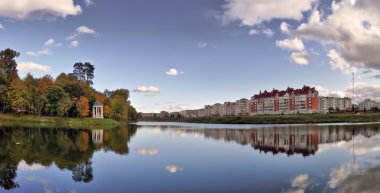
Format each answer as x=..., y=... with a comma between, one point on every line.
x=289, y=101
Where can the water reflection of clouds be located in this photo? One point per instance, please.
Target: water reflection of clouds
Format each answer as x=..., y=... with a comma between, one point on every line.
x=356, y=177
x=338, y=175
x=43, y=182
x=147, y=151
x=29, y=167
x=362, y=181
x=300, y=184
x=362, y=145
x=173, y=169
x=46, y=184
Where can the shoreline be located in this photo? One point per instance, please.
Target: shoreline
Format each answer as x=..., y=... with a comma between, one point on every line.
x=57, y=122
x=277, y=119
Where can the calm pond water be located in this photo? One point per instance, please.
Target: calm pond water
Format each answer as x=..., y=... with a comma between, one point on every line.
x=176, y=157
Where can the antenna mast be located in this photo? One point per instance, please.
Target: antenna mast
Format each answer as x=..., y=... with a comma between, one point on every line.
x=353, y=92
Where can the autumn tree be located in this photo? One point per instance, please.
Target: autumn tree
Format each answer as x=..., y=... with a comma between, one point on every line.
x=18, y=95
x=42, y=89
x=82, y=106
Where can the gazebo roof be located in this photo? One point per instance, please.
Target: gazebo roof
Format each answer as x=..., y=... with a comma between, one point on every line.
x=98, y=104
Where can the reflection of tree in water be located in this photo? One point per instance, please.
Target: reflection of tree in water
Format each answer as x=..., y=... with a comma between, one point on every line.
x=83, y=172
x=70, y=149
x=7, y=175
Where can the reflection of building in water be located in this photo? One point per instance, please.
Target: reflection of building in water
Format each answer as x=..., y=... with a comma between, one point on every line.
x=303, y=140
x=275, y=140
x=97, y=136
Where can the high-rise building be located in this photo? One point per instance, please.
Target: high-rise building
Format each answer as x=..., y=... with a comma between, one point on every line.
x=289, y=101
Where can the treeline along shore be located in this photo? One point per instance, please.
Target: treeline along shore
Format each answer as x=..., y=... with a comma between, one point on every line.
x=67, y=99
x=278, y=119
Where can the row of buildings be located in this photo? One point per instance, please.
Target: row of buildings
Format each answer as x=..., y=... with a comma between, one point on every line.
x=305, y=100
x=368, y=105
x=290, y=140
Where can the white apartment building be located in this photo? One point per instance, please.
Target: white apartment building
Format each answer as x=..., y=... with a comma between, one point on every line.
x=217, y=110
x=242, y=107
x=325, y=103
x=229, y=109
x=368, y=104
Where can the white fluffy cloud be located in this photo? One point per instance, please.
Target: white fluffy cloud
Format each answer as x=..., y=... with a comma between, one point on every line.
x=38, y=8
x=1, y=26
x=284, y=27
x=145, y=89
x=82, y=30
x=301, y=58
x=338, y=62
x=74, y=44
x=291, y=44
x=353, y=28
x=43, y=52
x=85, y=30
x=46, y=50
x=31, y=66
x=328, y=92
x=49, y=42
x=363, y=91
x=254, y=12
x=268, y=32
x=173, y=72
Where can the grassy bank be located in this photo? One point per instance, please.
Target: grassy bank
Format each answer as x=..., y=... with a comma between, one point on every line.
x=281, y=119
x=57, y=122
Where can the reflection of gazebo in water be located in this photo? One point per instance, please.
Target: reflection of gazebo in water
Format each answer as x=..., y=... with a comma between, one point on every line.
x=97, y=136
x=97, y=110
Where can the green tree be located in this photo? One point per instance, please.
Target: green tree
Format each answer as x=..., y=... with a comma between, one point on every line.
x=70, y=84
x=119, y=108
x=64, y=105
x=79, y=72
x=84, y=72
x=8, y=64
x=54, y=95
x=89, y=72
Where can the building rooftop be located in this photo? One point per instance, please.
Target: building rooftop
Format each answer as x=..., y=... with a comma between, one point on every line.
x=97, y=103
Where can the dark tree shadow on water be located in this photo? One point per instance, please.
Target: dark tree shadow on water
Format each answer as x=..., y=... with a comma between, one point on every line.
x=83, y=172
x=7, y=175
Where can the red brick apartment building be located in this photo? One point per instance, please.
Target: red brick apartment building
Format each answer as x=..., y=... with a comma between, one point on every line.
x=289, y=101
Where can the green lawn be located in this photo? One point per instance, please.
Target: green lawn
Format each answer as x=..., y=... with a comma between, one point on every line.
x=57, y=122
x=282, y=119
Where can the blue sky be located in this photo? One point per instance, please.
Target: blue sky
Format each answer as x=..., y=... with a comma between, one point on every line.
x=222, y=50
